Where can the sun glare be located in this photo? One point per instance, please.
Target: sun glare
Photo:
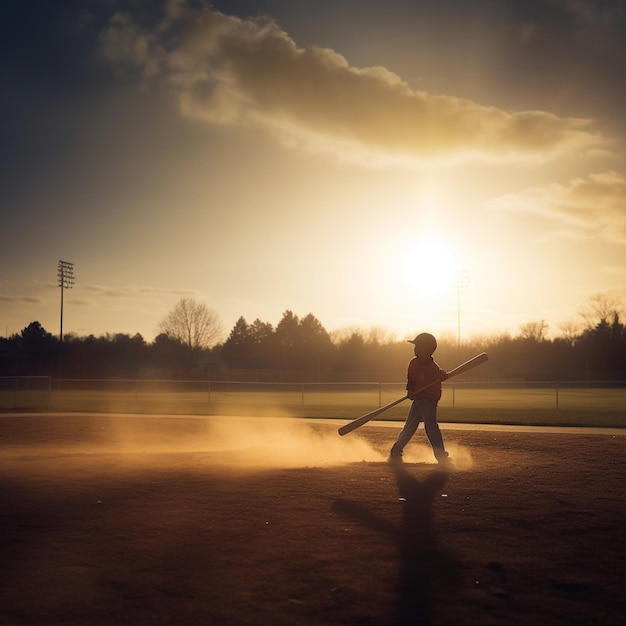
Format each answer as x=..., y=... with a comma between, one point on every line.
x=430, y=267
x=418, y=275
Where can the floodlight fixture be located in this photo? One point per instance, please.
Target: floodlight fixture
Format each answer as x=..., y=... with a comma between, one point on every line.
x=65, y=274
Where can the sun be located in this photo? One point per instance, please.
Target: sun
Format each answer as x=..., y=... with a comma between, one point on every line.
x=416, y=286
x=430, y=266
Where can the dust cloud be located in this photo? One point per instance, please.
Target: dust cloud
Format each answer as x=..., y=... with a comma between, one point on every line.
x=279, y=442
x=419, y=452
x=285, y=443
x=224, y=441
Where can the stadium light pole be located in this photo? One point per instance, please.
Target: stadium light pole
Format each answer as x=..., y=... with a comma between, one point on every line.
x=461, y=281
x=65, y=274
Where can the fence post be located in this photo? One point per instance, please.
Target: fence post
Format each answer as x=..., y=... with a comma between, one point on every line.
x=380, y=394
x=557, y=396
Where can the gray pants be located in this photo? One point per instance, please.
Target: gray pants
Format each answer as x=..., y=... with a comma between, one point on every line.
x=422, y=409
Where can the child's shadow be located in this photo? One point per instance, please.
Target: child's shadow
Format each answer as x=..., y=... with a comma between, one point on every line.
x=425, y=567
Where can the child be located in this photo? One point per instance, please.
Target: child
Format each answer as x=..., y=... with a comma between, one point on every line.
x=423, y=370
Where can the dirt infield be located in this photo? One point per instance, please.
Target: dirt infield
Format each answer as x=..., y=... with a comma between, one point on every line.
x=127, y=520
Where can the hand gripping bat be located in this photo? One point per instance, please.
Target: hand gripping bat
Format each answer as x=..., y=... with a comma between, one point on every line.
x=359, y=421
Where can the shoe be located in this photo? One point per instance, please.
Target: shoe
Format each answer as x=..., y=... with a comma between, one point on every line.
x=445, y=462
x=395, y=458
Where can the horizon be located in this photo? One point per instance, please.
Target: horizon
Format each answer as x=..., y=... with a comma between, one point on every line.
x=591, y=316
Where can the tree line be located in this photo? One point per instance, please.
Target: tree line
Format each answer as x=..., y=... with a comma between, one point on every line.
x=189, y=346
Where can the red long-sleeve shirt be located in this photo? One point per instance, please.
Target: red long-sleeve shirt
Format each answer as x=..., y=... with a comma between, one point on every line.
x=420, y=374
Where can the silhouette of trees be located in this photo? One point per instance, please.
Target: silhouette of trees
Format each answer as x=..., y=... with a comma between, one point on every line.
x=108, y=356
x=600, y=308
x=603, y=349
x=534, y=331
x=295, y=344
x=249, y=345
x=303, y=343
x=569, y=332
x=261, y=332
x=371, y=356
x=39, y=346
x=192, y=323
x=301, y=349
x=167, y=354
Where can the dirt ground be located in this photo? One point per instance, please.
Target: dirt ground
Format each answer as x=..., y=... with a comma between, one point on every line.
x=152, y=521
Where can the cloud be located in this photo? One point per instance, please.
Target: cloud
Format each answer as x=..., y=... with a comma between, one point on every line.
x=585, y=207
x=15, y=298
x=528, y=31
x=588, y=10
x=134, y=291
x=228, y=70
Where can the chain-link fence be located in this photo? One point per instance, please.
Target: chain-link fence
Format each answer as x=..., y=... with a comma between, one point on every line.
x=302, y=399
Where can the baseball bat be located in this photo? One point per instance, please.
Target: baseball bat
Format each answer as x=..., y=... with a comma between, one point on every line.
x=359, y=421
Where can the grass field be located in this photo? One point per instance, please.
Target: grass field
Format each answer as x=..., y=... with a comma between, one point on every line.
x=601, y=407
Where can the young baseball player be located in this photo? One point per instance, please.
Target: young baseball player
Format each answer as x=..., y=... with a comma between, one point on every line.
x=423, y=370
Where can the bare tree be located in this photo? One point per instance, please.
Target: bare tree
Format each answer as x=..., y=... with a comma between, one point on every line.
x=192, y=323
x=570, y=331
x=535, y=331
x=374, y=335
x=600, y=308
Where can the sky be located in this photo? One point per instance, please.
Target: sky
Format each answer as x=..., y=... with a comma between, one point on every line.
x=407, y=165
